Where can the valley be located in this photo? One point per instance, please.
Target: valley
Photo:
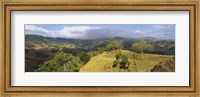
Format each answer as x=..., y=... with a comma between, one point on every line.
x=117, y=54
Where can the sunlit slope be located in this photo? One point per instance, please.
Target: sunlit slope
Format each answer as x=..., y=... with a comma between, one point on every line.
x=138, y=62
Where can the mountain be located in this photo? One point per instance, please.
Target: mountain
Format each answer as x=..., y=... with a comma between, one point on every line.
x=49, y=43
x=41, y=42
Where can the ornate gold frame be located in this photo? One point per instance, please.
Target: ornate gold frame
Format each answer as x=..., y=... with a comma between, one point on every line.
x=191, y=6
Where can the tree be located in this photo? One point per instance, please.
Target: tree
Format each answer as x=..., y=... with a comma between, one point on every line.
x=115, y=44
x=121, y=61
x=49, y=66
x=101, y=50
x=61, y=62
x=85, y=58
x=118, y=56
x=72, y=65
x=124, y=60
x=141, y=46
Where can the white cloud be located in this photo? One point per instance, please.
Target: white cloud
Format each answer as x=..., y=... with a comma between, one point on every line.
x=32, y=29
x=91, y=32
x=78, y=28
x=137, y=31
x=35, y=28
x=164, y=26
x=78, y=32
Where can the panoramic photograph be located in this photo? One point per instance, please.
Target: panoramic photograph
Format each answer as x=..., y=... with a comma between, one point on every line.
x=99, y=47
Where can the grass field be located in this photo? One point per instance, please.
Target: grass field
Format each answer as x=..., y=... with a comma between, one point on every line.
x=138, y=62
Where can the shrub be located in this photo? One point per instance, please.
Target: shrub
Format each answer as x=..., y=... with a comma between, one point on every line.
x=101, y=50
x=118, y=56
x=61, y=62
x=116, y=62
x=122, y=61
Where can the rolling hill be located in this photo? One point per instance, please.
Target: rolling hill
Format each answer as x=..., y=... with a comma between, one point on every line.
x=164, y=47
x=46, y=43
x=40, y=42
x=138, y=62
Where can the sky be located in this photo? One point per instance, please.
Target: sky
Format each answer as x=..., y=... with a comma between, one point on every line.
x=95, y=31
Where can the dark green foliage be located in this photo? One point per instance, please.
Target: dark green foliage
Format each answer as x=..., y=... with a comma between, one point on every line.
x=115, y=44
x=121, y=61
x=118, y=56
x=72, y=66
x=141, y=46
x=101, y=50
x=50, y=66
x=85, y=58
x=80, y=54
x=74, y=51
x=116, y=62
x=61, y=62
x=124, y=59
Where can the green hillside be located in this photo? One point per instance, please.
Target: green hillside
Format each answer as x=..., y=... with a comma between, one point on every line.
x=38, y=42
x=45, y=43
x=138, y=62
x=164, y=47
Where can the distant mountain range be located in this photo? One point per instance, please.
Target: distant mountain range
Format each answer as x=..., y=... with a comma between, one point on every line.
x=47, y=43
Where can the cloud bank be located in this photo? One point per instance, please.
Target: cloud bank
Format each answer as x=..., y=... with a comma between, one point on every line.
x=94, y=32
